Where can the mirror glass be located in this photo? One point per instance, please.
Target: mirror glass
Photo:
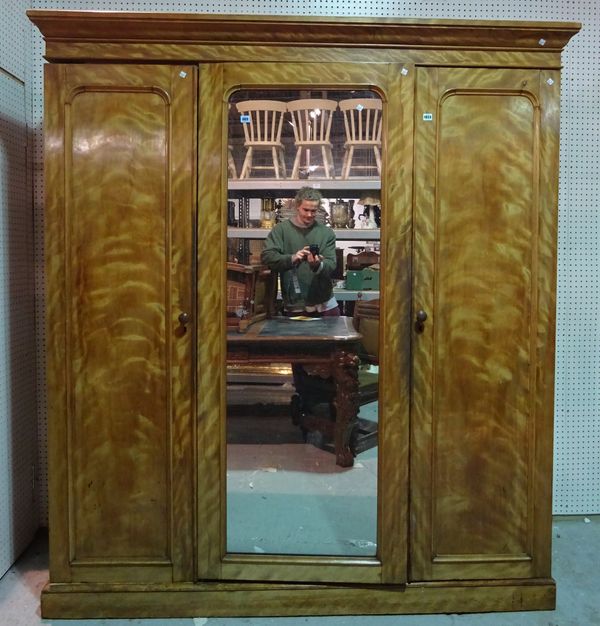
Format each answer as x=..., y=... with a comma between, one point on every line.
x=303, y=321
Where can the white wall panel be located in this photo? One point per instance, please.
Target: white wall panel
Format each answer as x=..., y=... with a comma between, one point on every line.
x=577, y=466
x=13, y=27
x=18, y=420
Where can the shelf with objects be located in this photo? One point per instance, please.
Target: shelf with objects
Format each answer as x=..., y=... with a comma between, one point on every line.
x=281, y=140
x=250, y=221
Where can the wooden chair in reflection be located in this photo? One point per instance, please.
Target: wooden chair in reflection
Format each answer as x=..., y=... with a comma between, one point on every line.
x=251, y=291
x=362, y=123
x=262, y=124
x=231, y=168
x=311, y=120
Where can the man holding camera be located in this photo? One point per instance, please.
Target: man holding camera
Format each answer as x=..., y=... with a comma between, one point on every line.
x=303, y=252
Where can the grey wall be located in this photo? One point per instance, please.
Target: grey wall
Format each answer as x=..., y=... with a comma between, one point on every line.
x=19, y=517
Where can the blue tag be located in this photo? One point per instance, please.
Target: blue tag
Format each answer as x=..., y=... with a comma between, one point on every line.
x=245, y=119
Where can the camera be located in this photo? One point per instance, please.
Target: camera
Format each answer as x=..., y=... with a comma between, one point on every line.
x=314, y=249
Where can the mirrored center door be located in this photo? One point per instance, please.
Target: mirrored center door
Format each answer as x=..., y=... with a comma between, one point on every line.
x=303, y=271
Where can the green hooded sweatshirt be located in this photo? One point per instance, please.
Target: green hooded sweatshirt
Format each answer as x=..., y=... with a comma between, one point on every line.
x=282, y=243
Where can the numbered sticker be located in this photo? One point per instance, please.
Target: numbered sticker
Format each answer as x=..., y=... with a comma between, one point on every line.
x=245, y=119
x=428, y=117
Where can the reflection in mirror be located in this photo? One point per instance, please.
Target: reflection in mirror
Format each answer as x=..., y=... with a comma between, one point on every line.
x=304, y=218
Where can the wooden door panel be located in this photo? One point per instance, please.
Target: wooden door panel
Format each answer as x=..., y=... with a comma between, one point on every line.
x=119, y=341
x=127, y=163
x=477, y=275
x=482, y=331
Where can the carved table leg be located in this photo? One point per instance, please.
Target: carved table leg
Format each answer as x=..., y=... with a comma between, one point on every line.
x=346, y=401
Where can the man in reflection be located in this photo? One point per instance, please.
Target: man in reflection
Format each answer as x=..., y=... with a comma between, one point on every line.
x=302, y=251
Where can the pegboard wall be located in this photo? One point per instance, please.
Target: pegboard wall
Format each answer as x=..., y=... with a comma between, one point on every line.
x=18, y=416
x=577, y=410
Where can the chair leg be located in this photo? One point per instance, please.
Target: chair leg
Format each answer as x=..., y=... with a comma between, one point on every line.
x=231, y=163
x=247, y=166
x=344, y=161
x=347, y=162
x=326, y=163
x=377, y=158
x=296, y=168
x=281, y=156
x=275, y=160
x=330, y=163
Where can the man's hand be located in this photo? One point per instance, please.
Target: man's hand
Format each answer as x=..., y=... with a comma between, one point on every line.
x=314, y=260
x=301, y=255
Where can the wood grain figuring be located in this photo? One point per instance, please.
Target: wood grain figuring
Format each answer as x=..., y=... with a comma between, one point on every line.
x=395, y=328
x=545, y=328
x=59, y=51
x=211, y=346
x=342, y=76
x=119, y=293
x=183, y=189
x=303, y=569
x=74, y=26
x=420, y=530
x=56, y=377
x=119, y=346
x=481, y=370
x=241, y=599
x=485, y=236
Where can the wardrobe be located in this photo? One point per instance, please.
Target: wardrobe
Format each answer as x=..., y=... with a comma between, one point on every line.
x=136, y=179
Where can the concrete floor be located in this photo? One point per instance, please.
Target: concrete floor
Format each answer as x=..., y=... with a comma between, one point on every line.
x=576, y=568
x=288, y=497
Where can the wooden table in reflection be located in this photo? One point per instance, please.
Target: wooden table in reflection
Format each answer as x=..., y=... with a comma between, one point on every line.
x=328, y=348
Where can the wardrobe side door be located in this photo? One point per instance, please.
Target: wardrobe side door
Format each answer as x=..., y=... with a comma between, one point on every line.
x=485, y=219
x=120, y=146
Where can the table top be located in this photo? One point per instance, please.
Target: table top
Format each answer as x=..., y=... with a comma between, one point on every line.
x=286, y=330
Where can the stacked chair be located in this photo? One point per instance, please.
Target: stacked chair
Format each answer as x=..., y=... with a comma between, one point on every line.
x=362, y=123
x=262, y=132
x=311, y=120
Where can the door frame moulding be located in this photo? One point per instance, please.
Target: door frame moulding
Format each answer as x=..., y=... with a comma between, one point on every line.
x=270, y=599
